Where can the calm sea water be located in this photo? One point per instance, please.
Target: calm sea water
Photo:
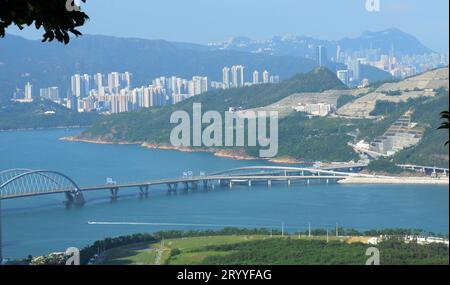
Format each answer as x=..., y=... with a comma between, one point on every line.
x=42, y=224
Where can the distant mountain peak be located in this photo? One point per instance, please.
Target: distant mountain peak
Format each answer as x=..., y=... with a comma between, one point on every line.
x=386, y=41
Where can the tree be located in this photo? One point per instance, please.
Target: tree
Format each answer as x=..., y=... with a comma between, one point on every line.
x=56, y=17
x=445, y=125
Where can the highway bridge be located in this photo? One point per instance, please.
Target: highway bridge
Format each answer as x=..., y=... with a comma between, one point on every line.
x=424, y=169
x=21, y=183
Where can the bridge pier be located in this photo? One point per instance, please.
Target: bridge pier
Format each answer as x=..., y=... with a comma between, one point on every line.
x=172, y=187
x=224, y=183
x=79, y=198
x=74, y=198
x=269, y=183
x=114, y=193
x=249, y=183
x=69, y=198
x=143, y=191
x=289, y=182
x=205, y=184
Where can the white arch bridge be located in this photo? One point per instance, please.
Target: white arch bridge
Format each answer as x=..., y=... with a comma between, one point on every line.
x=20, y=183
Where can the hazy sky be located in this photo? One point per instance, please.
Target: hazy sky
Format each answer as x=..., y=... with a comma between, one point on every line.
x=202, y=21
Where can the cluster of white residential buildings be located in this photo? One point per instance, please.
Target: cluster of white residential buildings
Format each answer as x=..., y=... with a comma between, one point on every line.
x=316, y=110
x=234, y=77
x=114, y=93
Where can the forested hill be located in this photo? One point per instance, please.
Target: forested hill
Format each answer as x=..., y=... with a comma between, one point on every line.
x=301, y=137
x=154, y=125
x=326, y=139
x=41, y=114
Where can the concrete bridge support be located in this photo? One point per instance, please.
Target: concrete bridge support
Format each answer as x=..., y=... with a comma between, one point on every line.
x=143, y=191
x=269, y=183
x=172, y=187
x=74, y=198
x=224, y=183
x=114, y=193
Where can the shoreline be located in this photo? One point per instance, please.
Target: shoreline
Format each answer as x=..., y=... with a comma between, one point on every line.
x=231, y=154
x=380, y=180
x=42, y=129
x=395, y=181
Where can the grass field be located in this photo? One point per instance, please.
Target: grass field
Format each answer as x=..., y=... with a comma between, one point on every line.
x=193, y=250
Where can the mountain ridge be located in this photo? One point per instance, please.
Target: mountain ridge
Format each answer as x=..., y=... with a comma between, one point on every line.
x=299, y=45
x=52, y=64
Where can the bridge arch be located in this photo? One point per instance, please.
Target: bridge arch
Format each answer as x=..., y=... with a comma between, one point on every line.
x=8, y=174
x=37, y=182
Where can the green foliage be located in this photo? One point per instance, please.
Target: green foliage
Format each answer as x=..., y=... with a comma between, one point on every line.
x=392, y=92
x=174, y=252
x=319, y=252
x=301, y=137
x=431, y=150
x=445, y=125
x=276, y=250
x=313, y=139
x=376, y=84
x=317, y=80
x=32, y=116
x=384, y=165
x=110, y=243
x=344, y=100
x=426, y=112
x=51, y=15
x=154, y=125
x=390, y=112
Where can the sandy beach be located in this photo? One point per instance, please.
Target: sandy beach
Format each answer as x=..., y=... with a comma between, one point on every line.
x=395, y=180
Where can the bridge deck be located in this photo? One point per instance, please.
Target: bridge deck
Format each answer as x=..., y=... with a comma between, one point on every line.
x=256, y=178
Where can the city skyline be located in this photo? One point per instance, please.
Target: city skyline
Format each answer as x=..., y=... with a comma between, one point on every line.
x=113, y=92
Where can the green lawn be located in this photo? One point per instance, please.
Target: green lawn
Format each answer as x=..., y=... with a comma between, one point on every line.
x=192, y=250
x=276, y=250
x=143, y=254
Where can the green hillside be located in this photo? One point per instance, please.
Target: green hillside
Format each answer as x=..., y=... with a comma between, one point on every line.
x=315, y=139
x=154, y=125
x=33, y=116
x=301, y=137
x=431, y=150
